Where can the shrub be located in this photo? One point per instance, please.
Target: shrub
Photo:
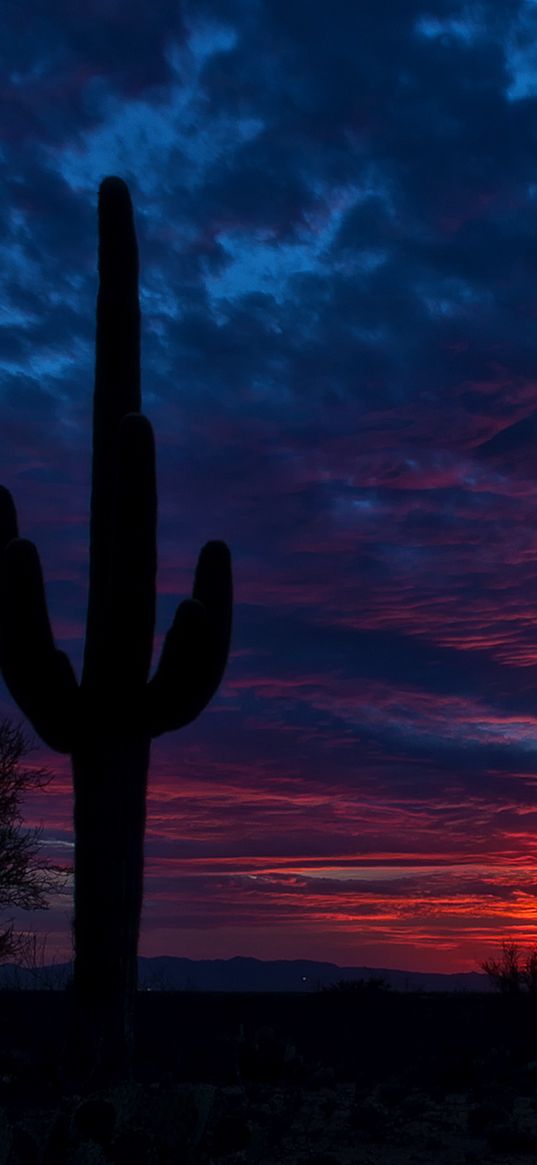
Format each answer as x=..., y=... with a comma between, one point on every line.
x=372, y=986
x=508, y=975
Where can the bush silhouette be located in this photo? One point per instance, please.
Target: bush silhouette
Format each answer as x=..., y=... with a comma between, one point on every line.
x=508, y=975
x=355, y=986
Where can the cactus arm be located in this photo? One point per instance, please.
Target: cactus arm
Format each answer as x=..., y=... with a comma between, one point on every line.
x=172, y=696
x=8, y=518
x=213, y=587
x=131, y=614
x=38, y=675
x=117, y=392
x=196, y=647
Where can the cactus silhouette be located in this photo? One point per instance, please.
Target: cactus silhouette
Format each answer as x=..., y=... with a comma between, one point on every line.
x=107, y=721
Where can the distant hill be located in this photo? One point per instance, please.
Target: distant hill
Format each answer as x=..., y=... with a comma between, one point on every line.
x=165, y=972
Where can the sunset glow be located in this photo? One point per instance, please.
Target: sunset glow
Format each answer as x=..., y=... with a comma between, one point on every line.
x=339, y=361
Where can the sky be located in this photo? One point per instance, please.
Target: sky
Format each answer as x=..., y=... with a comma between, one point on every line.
x=336, y=207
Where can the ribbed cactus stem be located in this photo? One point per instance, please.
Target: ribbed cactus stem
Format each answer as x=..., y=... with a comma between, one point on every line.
x=108, y=721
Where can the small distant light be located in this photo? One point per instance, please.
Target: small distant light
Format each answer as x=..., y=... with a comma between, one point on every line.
x=304, y=977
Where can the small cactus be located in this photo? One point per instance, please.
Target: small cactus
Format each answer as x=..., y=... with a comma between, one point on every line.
x=107, y=721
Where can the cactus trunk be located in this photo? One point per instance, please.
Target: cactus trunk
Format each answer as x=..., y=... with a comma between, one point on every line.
x=107, y=721
x=107, y=903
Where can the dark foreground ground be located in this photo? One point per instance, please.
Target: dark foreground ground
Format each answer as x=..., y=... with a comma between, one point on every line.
x=320, y=1079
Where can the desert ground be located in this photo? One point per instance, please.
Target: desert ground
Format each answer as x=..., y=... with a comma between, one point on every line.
x=313, y=1079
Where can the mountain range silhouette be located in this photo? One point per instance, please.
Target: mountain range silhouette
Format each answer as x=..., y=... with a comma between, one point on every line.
x=240, y=974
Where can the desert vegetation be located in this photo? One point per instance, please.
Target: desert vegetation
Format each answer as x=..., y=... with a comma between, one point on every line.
x=343, y=1072
x=26, y=879
x=107, y=721
x=511, y=973
x=103, y=1073
x=352, y=986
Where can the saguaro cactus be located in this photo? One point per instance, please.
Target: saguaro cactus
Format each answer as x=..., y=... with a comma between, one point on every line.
x=106, y=722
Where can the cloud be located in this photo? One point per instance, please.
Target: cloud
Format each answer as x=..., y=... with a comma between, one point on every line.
x=335, y=208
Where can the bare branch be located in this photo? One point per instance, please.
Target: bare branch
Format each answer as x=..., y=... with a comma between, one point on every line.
x=506, y=974
x=25, y=880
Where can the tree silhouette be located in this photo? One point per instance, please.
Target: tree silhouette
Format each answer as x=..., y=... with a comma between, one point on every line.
x=25, y=879
x=106, y=723
x=508, y=974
